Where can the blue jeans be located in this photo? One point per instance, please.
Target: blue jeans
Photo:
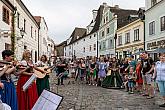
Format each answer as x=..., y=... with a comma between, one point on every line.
x=130, y=84
x=161, y=85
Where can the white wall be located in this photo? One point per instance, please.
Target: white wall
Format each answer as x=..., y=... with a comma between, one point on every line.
x=43, y=36
x=30, y=42
x=154, y=14
x=4, y=26
x=80, y=44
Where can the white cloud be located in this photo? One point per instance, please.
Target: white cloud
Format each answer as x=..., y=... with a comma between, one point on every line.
x=62, y=16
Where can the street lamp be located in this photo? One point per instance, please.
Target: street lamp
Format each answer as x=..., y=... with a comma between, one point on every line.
x=22, y=32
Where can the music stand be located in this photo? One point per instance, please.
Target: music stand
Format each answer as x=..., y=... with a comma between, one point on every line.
x=48, y=100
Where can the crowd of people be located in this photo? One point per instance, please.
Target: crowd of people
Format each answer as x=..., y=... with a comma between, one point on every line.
x=142, y=75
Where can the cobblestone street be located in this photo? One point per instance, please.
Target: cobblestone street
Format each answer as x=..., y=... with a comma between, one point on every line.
x=85, y=97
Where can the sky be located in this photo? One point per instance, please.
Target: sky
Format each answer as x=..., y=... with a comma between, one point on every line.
x=62, y=16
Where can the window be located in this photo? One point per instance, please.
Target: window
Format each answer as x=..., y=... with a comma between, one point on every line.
x=84, y=39
x=31, y=31
x=94, y=35
x=74, y=52
x=7, y=46
x=104, y=20
x=94, y=47
x=107, y=18
x=69, y=47
x=25, y=47
x=100, y=47
x=77, y=42
x=90, y=48
x=70, y=53
x=107, y=30
x=90, y=37
x=162, y=23
x=127, y=37
x=102, y=34
x=152, y=28
x=84, y=49
x=35, y=35
x=120, y=40
x=136, y=35
x=153, y=2
x=24, y=24
x=111, y=43
x=18, y=17
x=104, y=45
x=5, y=15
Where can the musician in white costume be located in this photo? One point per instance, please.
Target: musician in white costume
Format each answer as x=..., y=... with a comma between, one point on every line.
x=42, y=83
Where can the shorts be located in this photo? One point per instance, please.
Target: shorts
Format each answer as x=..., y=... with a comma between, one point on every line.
x=147, y=79
x=131, y=84
x=161, y=85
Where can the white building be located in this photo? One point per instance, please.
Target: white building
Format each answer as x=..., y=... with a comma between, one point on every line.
x=154, y=25
x=50, y=48
x=83, y=42
x=43, y=36
x=6, y=15
x=24, y=21
x=73, y=47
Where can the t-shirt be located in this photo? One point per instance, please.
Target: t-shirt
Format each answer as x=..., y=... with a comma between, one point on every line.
x=61, y=69
x=146, y=65
x=133, y=64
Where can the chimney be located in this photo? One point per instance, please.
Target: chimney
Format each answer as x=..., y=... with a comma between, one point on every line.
x=94, y=14
x=116, y=6
x=104, y=4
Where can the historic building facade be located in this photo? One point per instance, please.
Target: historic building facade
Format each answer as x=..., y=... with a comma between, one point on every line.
x=84, y=41
x=7, y=11
x=107, y=31
x=20, y=30
x=154, y=25
x=113, y=19
x=26, y=31
x=43, y=36
x=130, y=39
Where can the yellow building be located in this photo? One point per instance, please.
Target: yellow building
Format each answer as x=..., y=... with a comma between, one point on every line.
x=130, y=39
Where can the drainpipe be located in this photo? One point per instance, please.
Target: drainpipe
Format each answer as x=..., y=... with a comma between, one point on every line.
x=38, y=42
x=97, y=49
x=144, y=33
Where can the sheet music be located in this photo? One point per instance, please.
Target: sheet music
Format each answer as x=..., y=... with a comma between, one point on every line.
x=29, y=82
x=47, y=101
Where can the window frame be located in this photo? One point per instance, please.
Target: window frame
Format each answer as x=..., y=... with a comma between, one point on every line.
x=136, y=34
x=152, y=28
x=127, y=38
x=5, y=15
x=120, y=40
x=24, y=25
x=162, y=23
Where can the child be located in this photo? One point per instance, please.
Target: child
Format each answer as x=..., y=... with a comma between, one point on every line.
x=131, y=80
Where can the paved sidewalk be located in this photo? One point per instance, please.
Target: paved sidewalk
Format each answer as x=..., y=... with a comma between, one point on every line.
x=85, y=97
